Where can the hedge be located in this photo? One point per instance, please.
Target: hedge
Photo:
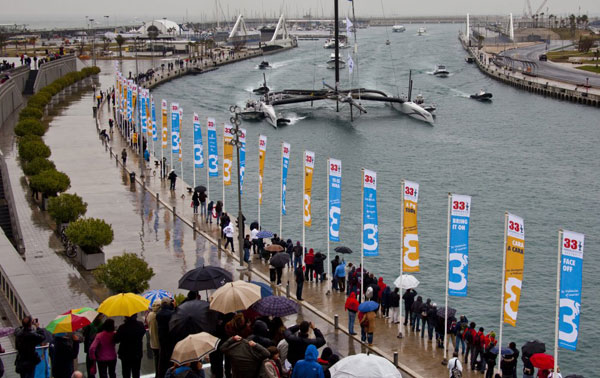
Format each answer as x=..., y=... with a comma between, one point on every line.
x=50, y=182
x=31, y=111
x=30, y=126
x=90, y=234
x=30, y=148
x=66, y=208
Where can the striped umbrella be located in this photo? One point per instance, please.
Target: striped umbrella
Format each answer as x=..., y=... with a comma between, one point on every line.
x=72, y=320
x=157, y=295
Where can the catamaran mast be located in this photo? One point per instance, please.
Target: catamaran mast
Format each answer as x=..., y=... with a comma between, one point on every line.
x=337, y=49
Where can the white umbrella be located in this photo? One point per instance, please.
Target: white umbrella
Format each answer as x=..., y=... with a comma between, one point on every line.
x=364, y=365
x=194, y=347
x=408, y=282
x=234, y=296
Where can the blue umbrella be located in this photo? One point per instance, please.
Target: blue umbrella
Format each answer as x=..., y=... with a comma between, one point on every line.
x=505, y=351
x=368, y=306
x=265, y=288
x=264, y=234
x=156, y=295
x=275, y=306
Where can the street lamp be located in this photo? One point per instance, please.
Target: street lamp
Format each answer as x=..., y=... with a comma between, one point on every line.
x=235, y=141
x=93, y=42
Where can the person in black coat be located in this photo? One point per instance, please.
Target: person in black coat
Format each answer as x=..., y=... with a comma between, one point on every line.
x=299, y=341
x=260, y=334
x=163, y=317
x=318, y=266
x=27, y=337
x=431, y=320
x=409, y=299
x=66, y=349
x=130, y=335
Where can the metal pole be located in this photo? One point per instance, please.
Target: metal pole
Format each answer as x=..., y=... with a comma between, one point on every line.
x=236, y=142
x=502, y=296
x=362, y=254
x=281, y=194
x=327, y=228
x=445, y=360
x=401, y=253
x=303, y=207
x=558, y=272
x=137, y=113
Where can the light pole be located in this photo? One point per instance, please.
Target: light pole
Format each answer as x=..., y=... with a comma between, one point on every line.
x=235, y=141
x=138, y=115
x=93, y=42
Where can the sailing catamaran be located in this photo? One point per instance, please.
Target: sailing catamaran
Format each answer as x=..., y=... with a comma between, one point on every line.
x=353, y=97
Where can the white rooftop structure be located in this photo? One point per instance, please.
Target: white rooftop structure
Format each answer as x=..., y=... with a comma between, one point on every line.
x=164, y=27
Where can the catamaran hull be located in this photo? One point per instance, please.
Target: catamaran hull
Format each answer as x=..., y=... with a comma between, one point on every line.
x=270, y=114
x=413, y=110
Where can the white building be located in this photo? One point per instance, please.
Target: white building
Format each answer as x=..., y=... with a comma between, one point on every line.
x=165, y=27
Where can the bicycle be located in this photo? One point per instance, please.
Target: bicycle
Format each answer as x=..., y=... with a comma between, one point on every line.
x=70, y=248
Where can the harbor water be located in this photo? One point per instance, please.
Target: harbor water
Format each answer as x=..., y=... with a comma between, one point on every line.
x=526, y=154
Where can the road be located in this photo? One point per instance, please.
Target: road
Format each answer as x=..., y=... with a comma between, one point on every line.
x=551, y=70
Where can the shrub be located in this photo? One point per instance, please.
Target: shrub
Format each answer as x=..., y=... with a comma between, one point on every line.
x=30, y=126
x=31, y=112
x=127, y=273
x=50, y=182
x=90, y=234
x=39, y=100
x=29, y=148
x=36, y=165
x=66, y=208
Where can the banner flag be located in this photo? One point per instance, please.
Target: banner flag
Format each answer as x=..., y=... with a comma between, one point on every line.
x=179, y=137
x=129, y=102
x=513, y=271
x=213, y=151
x=335, y=199
x=154, y=131
x=148, y=113
x=227, y=153
x=242, y=158
x=262, y=152
x=571, y=277
x=458, y=259
x=143, y=113
x=370, y=244
x=174, y=127
x=285, y=163
x=165, y=127
x=198, y=148
x=348, y=26
x=309, y=167
x=410, y=244
x=350, y=64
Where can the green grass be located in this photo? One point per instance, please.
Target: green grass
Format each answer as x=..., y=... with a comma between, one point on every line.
x=594, y=69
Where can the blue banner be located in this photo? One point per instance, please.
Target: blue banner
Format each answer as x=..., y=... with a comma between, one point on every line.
x=458, y=247
x=143, y=114
x=370, y=242
x=198, y=148
x=154, y=132
x=213, y=152
x=129, y=103
x=335, y=199
x=570, y=289
x=285, y=162
x=174, y=128
x=242, y=158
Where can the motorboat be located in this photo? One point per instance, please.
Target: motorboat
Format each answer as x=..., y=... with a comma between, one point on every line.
x=331, y=62
x=482, y=96
x=398, y=28
x=421, y=30
x=470, y=59
x=252, y=111
x=264, y=65
x=263, y=89
x=420, y=100
x=330, y=43
x=387, y=43
x=441, y=71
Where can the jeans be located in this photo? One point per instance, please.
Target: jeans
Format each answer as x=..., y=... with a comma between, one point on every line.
x=107, y=369
x=203, y=209
x=195, y=209
x=297, y=261
x=299, y=290
x=229, y=242
x=131, y=367
x=334, y=283
x=364, y=336
x=351, y=319
x=430, y=330
x=247, y=254
x=407, y=316
x=414, y=321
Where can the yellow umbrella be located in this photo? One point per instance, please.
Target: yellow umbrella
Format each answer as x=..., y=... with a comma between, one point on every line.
x=124, y=304
x=194, y=347
x=234, y=296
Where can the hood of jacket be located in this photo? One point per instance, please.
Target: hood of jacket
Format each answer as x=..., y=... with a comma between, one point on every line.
x=260, y=328
x=311, y=353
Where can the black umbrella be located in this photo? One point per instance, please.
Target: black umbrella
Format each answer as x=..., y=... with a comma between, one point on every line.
x=192, y=317
x=574, y=376
x=442, y=311
x=205, y=278
x=343, y=250
x=279, y=260
x=200, y=188
x=532, y=347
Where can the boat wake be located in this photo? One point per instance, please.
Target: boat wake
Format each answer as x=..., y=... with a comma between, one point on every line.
x=294, y=118
x=459, y=93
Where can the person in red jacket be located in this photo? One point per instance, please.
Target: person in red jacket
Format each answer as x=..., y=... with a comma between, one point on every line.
x=309, y=261
x=352, y=308
x=479, y=348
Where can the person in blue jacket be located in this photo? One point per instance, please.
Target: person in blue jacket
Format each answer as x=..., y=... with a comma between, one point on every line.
x=308, y=367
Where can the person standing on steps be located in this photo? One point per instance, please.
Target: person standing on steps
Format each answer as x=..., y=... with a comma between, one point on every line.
x=195, y=202
x=352, y=308
x=299, y=275
x=172, y=178
x=124, y=156
x=228, y=231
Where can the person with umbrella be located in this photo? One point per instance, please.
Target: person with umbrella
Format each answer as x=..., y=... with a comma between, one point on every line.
x=153, y=333
x=66, y=349
x=366, y=318
x=172, y=177
x=195, y=201
x=278, y=261
x=129, y=336
x=529, y=349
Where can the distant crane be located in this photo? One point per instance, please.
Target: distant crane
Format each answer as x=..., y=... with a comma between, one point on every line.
x=527, y=12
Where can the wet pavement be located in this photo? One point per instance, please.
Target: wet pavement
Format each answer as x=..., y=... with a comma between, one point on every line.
x=147, y=227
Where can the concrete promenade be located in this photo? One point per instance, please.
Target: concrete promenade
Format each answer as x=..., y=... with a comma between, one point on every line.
x=417, y=356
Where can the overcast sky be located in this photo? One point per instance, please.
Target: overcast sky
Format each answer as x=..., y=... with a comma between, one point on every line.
x=199, y=10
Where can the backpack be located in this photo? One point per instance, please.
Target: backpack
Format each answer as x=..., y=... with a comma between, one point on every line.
x=468, y=336
x=477, y=339
x=455, y=371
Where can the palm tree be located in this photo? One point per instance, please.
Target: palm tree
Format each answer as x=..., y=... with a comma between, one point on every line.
x=120, y=41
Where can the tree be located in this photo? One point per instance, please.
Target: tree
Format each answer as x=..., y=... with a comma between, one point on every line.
x=49, y=182
x=585, y=44
x=37, y=165
x=127, y=273
x=90, y=234
x=30, y=148
x=66, y=208
x=105, y=43
x=120, y=41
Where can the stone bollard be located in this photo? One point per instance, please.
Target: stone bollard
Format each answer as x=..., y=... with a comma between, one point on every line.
x=194, y=228
x=287, y=289
x=336, y=321
x=396, y=359
x=174, y=212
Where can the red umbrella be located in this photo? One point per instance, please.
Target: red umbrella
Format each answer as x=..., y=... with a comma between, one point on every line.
x=542, y=361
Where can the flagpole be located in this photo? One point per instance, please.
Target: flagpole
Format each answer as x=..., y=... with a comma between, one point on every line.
x=223, y=181
x=556, y=319
x=181, y=144
x=281, y=193
x=362, y=236
x=445, y=360
x=328, y=265
x=259, y=178
x=303, y=206
x=401, y=252
x=171, y=136
x=503, y=288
